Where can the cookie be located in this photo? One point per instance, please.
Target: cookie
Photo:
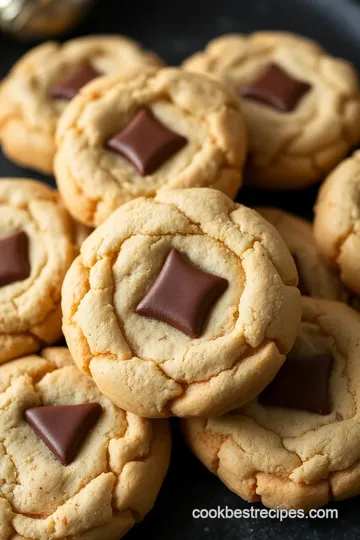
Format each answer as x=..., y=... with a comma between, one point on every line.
x=37, y=246
x=316, y=277
x=337, y=220
x=301, y=106
x=42, y=82
x=72, y=464
x=182, y=304
x=297, y=444
x=136, y=135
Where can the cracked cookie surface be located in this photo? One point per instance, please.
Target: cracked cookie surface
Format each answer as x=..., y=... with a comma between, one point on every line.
x=337, y=220
x=316, y=277
x=111, y=484
x=295, y=148
x=30, y=304
x=291, y=458
x=28, y=113
x=146, y=365
x=94, y=180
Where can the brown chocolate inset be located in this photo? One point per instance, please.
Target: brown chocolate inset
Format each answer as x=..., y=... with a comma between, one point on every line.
x=301, y=383
x=73, y=81
x=182, y=295
x=276, y=88
x=14, y=258
x=146, y=143
x=63, y=428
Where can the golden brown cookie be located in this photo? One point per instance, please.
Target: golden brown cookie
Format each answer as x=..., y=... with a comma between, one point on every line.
x=42, y=82
x=297, y=444
x=301, y=106
x=72, y=464
x=37, y=246
x=183, y=305
x=140, y=134
x=316, y=277
x=337, y=220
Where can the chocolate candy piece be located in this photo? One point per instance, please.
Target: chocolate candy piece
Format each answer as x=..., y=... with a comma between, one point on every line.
x=146, y=143
x=63, y=428
x=304, y=291
x=301, y=383
x=276, y=88
x=70, y=85
x=14, y=258
x=182, y=295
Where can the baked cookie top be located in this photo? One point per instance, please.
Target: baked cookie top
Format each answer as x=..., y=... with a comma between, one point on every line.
x=337, y=220
x=316, y=277
x=117, y=462
x=137, y=134
x=42, y=82
x=182, y=304
x=301, y=106
x=37, y=246
x=297, y=445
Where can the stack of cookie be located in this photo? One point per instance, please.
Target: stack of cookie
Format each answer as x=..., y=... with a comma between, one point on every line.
x=181, y=302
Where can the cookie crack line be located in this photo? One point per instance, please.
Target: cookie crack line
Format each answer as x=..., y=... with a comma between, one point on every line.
x=43, y=516
x=317, y=320
x=19, y=116
x=182, y=384
x=30, y=331
x=7, y=454
x=198, y=224
x=255, y=239
x=340, y=244
x=274, y=474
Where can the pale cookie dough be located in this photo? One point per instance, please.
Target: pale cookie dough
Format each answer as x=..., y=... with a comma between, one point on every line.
x=148, y=366
x=337, y=220
x=290, y=458
x=28, y=113
x=316, y=277
x=296, y=148
x=113, y=480
x=94, y=180
x=30, y=303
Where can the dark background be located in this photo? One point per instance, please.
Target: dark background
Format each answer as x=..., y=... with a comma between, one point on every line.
x=176, y=29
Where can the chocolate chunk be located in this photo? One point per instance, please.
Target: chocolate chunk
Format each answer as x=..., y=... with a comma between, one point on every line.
x=146, y=143
x=182, y=295
x=304, y=291
x=63, y=428
x=276, y=88
x=73, y=81
x=301, y=383
x=14, y=258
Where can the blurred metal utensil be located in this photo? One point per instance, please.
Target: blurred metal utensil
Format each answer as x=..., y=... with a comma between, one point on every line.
x=41, y=18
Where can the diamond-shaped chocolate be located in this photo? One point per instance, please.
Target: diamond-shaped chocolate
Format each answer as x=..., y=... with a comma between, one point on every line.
x=146, y=143
x=63, y=428
x=301, y=383
x=304, y=291
x=276, y=88
x=14, y=258
x=73, y=81
x=182, y=295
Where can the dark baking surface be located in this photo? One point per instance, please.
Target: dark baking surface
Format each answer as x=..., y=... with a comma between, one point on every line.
x=175, y=30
